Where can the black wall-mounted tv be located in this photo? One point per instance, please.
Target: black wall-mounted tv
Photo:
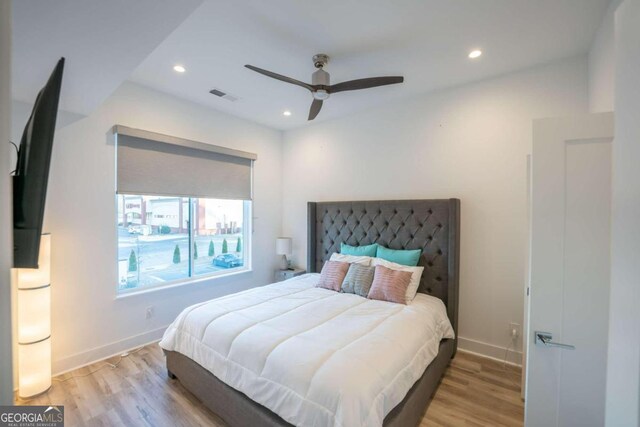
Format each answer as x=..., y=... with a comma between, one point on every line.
x=32, y=172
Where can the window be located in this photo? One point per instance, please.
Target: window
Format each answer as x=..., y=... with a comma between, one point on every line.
x=167, y=239
x=183, y=207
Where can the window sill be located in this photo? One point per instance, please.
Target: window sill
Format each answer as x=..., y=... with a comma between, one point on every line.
x=179, y=283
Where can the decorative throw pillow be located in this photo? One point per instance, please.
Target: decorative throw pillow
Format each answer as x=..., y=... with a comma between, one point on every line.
x=358, y=280
x=351, y=259
x=368, y=250
x=416, y=275
x=404, y=257
x=332, y=275
x=390, y=285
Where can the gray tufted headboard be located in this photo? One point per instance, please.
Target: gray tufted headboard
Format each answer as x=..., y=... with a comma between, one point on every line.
x=430, y=225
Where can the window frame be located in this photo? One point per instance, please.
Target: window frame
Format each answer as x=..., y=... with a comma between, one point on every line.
x=247, y=267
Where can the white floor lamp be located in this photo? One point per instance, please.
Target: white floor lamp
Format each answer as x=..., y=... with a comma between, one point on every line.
x=34, y=324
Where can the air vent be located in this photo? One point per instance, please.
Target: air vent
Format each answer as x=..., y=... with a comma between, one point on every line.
x=223, y=95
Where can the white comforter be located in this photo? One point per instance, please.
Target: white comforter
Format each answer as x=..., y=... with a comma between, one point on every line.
x=313, y=356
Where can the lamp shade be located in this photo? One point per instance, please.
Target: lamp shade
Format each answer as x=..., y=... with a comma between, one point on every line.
x=34, y=324
x=283, y=246
x=34, y=368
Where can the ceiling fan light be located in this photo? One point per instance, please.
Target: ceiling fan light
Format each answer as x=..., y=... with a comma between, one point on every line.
x=321, y=94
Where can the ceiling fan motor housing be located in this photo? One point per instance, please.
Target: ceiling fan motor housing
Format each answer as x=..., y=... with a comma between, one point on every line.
x=320, y=77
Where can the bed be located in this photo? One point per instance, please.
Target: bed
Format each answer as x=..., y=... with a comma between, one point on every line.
x=267, y=343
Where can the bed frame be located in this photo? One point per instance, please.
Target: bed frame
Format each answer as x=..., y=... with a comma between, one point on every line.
x=430, y=225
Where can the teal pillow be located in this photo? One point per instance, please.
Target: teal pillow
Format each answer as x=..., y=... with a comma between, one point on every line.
x=406, y=257
x=369, y=250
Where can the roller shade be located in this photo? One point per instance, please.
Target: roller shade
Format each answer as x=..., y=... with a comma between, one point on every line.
x=150, y=163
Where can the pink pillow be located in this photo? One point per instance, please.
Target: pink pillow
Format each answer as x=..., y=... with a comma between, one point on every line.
x=332, y=275
x=390, y=285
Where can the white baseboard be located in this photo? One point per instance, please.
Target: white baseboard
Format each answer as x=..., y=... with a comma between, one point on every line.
x=78, y=360
x=490, y=351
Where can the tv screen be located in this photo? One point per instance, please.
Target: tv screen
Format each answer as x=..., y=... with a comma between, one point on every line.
x=32, y=172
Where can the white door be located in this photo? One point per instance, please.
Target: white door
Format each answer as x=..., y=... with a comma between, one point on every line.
x=569, y=291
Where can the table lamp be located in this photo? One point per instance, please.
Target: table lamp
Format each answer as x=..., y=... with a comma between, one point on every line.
x=283, y=247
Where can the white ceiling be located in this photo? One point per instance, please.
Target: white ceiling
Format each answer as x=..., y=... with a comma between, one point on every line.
x=427, y=41
x=103, y=42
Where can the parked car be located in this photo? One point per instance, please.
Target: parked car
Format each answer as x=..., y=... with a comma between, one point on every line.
x=227, y=261
x=145, y=230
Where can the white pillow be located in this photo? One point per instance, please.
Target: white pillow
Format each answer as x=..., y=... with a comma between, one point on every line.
x=351, y=259
x=416, y=274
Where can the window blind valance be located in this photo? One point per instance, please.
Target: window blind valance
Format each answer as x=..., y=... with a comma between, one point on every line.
x=150, y=163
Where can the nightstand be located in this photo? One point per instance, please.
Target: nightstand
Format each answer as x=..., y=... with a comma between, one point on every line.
x=281, y=275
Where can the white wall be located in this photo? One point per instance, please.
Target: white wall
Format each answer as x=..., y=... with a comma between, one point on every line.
x=623, y=368
x=88, y=322
x=602, y=64
x=469, y=142
x=6, y=228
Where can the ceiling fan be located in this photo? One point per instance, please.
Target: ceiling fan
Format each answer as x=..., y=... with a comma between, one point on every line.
x=320, y=87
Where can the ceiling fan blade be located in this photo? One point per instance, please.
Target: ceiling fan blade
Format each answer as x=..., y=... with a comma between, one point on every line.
x=316, y=105
x=365, y=83
x=280, y=77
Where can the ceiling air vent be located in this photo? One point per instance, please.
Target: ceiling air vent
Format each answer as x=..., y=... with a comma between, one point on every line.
x=223, y=95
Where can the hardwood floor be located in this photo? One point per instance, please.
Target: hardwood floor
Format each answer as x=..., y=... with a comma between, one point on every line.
x=477, y=391
x=474, y=392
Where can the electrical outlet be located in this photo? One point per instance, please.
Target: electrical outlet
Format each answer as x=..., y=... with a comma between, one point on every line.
x=150, y=312
x=514, y=330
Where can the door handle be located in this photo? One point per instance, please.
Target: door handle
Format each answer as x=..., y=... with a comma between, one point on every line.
x=545, y=339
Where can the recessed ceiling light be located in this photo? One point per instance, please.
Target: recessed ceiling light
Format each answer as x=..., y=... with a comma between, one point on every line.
x=475, y=54
x=179, y=68
x=286, y=113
